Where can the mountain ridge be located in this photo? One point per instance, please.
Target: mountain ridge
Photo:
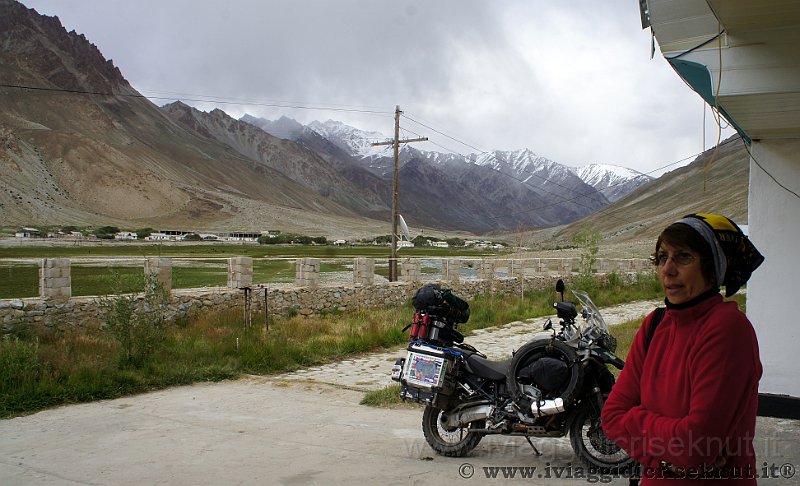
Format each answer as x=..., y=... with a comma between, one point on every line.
x=87, y=148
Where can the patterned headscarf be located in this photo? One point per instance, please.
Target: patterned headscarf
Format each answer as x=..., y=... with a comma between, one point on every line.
x=735, y=257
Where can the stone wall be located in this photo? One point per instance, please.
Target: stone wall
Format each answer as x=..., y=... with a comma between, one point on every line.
x=59, y=311
x=86, y=312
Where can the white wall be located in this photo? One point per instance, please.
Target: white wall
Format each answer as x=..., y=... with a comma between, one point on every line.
x=773, y=293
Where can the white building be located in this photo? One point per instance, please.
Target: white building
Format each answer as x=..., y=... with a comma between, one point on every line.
x=158, y=237
x=27, y=233
x=126, y=235
x=741, y=56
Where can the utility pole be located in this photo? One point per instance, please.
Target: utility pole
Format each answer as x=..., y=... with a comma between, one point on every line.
x=396, y=143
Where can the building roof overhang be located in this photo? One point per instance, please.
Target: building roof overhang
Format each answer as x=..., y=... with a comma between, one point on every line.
x=740, y=56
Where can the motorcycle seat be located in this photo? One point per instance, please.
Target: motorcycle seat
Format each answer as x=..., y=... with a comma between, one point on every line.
x=491, y=370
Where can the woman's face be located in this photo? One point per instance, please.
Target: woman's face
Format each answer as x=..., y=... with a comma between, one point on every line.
x=680, y=273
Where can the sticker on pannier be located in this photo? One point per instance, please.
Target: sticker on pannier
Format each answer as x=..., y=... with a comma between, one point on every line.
x=424, y=370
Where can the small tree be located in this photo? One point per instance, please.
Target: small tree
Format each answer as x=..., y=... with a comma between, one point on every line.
x=455, y=241
x=587, y=241
x=143, y=233
x=139, y=329
x=106, y=232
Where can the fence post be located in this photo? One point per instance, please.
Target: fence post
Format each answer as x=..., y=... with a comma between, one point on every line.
x=364, y=271
x=307, y=273
x=516, y=268
x=486, y=269
x=565, y=267
x=240, y=272
x=159, y=270
x=452, y=270
x=411, y=270
x=55, y=279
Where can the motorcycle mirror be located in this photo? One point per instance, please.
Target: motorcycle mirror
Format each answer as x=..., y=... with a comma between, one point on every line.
x=560, y=288
x=548, y=325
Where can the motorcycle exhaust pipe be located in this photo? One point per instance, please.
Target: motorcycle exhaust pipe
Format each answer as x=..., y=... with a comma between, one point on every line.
x=467, y=415
x=542, y=408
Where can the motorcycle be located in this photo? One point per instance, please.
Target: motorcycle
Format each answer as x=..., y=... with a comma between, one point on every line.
x=554, y=385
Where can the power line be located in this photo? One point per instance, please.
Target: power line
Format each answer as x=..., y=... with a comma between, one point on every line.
x=198, y=100
x=770, y=175
x=563, y=198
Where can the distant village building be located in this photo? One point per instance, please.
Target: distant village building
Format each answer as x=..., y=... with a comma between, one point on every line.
x=440, y=244
x=126, y=235
x=405, y=244
x=27, y=233
x=239, y=236
x=339, y=242
x=159, y=237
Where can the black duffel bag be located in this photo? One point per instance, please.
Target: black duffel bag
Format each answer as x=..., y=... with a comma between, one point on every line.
x=433, y=299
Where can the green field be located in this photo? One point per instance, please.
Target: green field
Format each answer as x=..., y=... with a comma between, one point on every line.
x=207, y=267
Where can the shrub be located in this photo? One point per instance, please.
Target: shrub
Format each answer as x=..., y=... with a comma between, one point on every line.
x=139, y=330
x=19, y=363
x=106, y=232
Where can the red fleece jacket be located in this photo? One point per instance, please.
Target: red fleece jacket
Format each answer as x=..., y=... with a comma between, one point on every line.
x=693, y=396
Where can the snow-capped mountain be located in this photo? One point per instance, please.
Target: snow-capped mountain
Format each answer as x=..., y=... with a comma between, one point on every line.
x=480, y=192
x=356, y=142
x=613, y=181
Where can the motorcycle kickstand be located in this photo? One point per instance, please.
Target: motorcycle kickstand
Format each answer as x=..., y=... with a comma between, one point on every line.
x=534, y=447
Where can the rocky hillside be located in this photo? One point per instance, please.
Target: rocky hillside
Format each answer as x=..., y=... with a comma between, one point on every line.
x=300, y=164
x=480, y=193
x=79, y=145
x=720, y=187
x=83, y=147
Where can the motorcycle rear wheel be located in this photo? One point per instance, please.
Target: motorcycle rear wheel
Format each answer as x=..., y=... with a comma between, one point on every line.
x=455, y=442
x=592, y=446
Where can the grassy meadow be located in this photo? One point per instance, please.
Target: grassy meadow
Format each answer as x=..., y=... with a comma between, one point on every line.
x=133, y=353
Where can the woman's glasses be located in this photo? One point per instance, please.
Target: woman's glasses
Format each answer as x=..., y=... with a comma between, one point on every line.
x=681, y=258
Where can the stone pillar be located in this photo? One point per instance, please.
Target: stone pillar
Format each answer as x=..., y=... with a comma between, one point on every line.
x=451, y=269
x=55, y=279
x=307, y=272
x=240, y=272
x=411, y=271
x=486, y=269
x=364, y=271
x=565, y=267
x=516, y=268
x=158, y=270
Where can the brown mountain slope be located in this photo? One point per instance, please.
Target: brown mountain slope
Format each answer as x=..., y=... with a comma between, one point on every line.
x=71, y=157
x=642, y=215
x=296, y=162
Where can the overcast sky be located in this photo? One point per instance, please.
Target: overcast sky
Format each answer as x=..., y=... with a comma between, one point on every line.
x=572, y=81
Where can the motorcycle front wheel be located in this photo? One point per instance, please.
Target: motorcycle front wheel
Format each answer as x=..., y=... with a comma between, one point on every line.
x=593, y=447
x=446, y=441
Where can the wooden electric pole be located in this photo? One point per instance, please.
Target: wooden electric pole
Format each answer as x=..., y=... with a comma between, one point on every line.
x=396, y=143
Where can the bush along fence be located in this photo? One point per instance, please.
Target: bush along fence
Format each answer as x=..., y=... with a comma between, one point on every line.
x=57, y=308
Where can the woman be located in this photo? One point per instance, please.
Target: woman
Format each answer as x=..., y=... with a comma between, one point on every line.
x=685, y=404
